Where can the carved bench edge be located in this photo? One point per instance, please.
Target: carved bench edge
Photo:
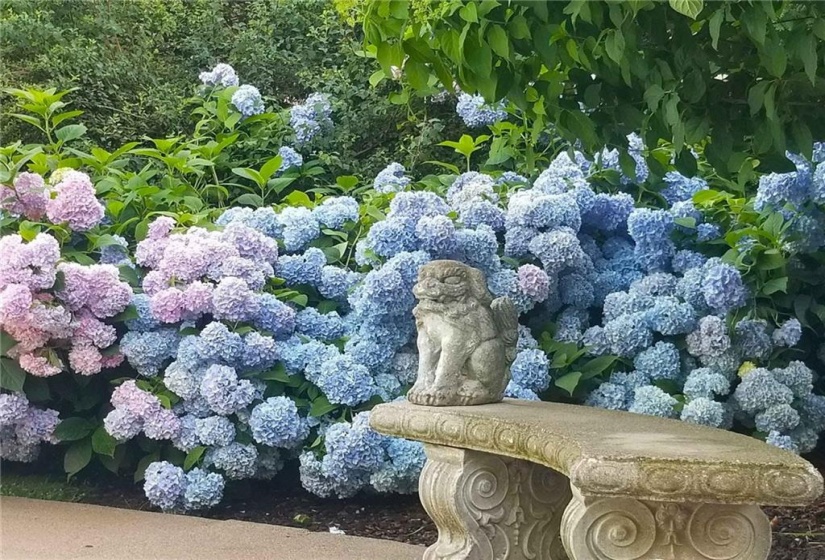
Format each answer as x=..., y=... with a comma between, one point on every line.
x=654, y=480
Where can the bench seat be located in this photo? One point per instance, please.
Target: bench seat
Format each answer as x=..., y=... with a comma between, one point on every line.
x=524, y=479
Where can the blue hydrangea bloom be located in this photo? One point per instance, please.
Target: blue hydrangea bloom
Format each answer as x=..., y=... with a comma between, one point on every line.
x=215, y=430
x=476, y=112
x=788, y=334
x=680, y=188
x=217, y=343
x=164, y=484
x=145, y=321
x=326, y=327
x=147, y=352
x=531, y=370
x=247, y=99
x=437, y=234
x=611, y=396
x=344, y=381
x=276, y=423
x=782, y=442
x=628, y=334
x=203, y=489
x=660, y=361
x=516, y=391
x=752, y=340
x=236, y=460
x=302, y=269
x=797, y=377
x=705, y=383
x=759, y=390
x=337, y=282
x=334, y=212
x=311, y=118
x=300, y=227
x=723, y=288
x=290, y=159
x=651, y=400
x=777, y=418
x=222, y=390
x=222, y=74
x=777, y=189
x=704, y=411
x=391, y=179
x=274, y=316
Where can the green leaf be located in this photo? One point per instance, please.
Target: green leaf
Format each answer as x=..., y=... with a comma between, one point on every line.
x=270, y=167
x=250, y=174
x=569, y=382
x=469, y=13
x=127, y=314
x=250, y=199
x=103, y=443
x=74, y=428
x=715, y=25
x=347, y=182
x=581, y=127
x=193, y=457
x=377, y=77
x=298, y=198
x=653, y=95
x=807, y=53
x=771, y=260
x=321, y=406
x=775, y=285
x=498, y=41
x=140, y=470
x=596, y=366
x=6, y=343
x=756, y=23
x=690, y=8
x=12, y=376
x=70, y=132
x=614, y=45
x=77, y=457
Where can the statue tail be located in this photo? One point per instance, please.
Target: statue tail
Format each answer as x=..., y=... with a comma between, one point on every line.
x=506, y=318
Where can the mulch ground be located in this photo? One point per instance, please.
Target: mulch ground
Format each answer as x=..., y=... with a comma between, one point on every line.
x=799, y=533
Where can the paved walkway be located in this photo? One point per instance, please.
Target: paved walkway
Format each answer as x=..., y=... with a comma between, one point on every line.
x=45, y=530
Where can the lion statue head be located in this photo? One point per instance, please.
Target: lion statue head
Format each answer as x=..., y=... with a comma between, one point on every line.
x=442, y=284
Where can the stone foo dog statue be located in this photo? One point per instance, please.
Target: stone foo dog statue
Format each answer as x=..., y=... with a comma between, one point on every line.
x=466, y=339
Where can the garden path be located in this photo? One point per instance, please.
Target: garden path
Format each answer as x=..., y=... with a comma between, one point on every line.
x=59, y=530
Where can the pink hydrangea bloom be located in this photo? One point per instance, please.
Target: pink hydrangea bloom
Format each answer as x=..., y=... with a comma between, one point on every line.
x=39, y=366
x=31, y=264
x=28, y=198
x=160, y=227
x=76, y=203
x=533, y=282
x=85, y=359
x=90, y=330
x=15, y=302
x=150, y=251
x=97, y=287
x=167, y=305
x=113, y=360
x=197, y=298
x=161, y=423
x=154, y=282
x=129, y=396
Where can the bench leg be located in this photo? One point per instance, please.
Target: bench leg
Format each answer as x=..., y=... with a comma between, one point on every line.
x=629, y=529
x=489, y=507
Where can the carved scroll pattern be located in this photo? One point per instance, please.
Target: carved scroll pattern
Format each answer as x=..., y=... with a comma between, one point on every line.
x=488, y=507
x=629, y=529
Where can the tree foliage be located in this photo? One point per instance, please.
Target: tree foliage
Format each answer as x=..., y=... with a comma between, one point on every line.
x=736, y=78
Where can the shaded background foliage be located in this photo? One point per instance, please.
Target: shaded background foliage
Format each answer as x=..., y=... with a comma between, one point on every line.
x=134, y=62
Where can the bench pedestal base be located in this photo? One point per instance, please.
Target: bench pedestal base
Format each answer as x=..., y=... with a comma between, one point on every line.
x=490, y=507
x=629, y=529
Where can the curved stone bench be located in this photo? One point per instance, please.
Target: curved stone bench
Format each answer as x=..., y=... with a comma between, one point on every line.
x=531, y=480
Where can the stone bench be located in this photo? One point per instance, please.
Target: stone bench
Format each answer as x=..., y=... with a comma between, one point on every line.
x=529, y=480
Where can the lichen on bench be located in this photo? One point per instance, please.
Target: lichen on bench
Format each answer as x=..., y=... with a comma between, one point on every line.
x=500, y=475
